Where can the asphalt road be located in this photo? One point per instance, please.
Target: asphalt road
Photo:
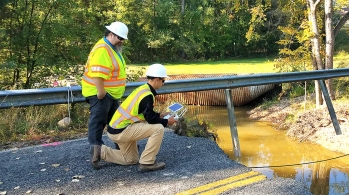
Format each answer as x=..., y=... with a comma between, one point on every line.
x=193, y=166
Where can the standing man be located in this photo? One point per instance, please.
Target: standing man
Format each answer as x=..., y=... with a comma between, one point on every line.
x=104, y=80
x=134, y=120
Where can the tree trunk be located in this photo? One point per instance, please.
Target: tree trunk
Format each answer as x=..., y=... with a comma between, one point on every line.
x=315, y=46
x=318, y=94
x=329, y=43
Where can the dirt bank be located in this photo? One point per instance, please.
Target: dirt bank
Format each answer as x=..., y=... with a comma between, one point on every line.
x=308, y=124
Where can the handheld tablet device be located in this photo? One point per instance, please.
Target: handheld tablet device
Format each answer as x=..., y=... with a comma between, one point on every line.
x=169, y=115
x=177, y=110
x=175, y=107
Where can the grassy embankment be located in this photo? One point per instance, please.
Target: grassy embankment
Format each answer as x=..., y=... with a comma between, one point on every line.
x=238, y=66
x=39, y=124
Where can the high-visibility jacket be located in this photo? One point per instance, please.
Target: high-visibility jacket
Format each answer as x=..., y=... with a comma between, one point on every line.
x=104, y=62
x=127, y=113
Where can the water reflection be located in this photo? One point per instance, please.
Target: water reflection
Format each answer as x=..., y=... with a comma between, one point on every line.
x=276, y=155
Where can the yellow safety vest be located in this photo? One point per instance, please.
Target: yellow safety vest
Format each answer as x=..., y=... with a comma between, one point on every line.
x=105, y=63
x=127, y=113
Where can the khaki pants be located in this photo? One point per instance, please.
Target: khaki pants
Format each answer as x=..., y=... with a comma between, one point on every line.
x=127, y=141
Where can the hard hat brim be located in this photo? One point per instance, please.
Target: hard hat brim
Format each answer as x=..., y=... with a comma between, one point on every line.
x=110, y=29
x=159, y=76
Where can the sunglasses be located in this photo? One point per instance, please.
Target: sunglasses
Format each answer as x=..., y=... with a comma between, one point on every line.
x=120, y=38
x=162, y=79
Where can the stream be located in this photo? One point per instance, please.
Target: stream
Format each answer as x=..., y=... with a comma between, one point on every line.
x=272, y=153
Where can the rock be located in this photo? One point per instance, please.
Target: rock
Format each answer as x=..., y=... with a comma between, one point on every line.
x=65, y=122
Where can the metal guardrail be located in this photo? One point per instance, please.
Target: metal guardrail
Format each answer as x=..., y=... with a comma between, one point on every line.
x=60, y=95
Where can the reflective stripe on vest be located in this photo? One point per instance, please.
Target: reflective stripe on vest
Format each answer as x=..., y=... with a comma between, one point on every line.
x=100, y=69
x=107, y=83
x=125, y=114
x=113, y=81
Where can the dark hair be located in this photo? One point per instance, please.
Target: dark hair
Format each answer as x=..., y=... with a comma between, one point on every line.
x=107, y=32
x=150, y=77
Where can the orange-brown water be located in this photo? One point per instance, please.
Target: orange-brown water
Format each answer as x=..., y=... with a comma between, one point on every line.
x=272, y=153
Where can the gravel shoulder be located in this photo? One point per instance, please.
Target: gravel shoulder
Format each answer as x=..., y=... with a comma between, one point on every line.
x=310, y=124
x=64, y=168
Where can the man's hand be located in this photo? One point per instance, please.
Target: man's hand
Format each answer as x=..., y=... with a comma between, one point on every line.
x=101, y=94
x=164, y=114
x=171, y=120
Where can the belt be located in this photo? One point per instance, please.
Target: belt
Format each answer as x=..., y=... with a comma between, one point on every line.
x=114, y=131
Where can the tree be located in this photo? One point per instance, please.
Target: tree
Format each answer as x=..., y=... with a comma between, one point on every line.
x=263, y=26
x=42, y=38
x=330, y=32
x=315, y=36
x=295, y=39
x=24, y=29
x=58, y=34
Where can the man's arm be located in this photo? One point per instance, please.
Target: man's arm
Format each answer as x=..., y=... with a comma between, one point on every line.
x=99, y=83
x=146, y=107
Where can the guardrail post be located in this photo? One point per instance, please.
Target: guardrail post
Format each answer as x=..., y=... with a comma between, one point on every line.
x=232, y=122
x=330, y=107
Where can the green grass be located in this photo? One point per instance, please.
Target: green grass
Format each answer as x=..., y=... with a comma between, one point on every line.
x=238, y=66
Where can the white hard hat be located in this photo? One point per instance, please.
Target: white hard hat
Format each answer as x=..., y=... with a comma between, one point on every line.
x=156, y=70
x=119, y=29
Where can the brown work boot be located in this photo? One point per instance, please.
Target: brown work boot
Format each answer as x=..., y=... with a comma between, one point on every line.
x=151, y=167
x=95, y=154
